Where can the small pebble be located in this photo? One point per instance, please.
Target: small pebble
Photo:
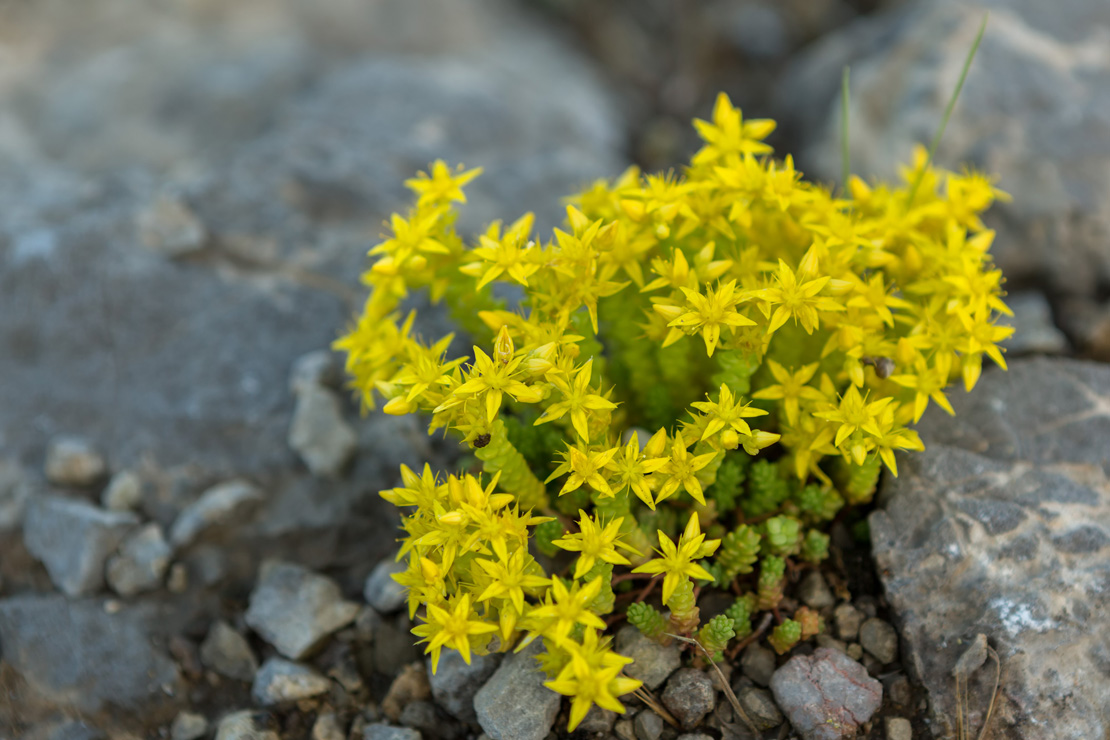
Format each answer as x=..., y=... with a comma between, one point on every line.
x=14, y=493
x=247, y=725
x=758, y=663
x=848, y=620
x=648, y=725
x=228, y=653
x=898, y=728
x=689, y=696
x=123, y=492
x=72, y=461
x=379, y=731
x=327, y=727
x=624, y=729
x=381, y=591
x=217, y=505
x=409, y=686
x=827, y=641
x=814, y=591
x=855, y=651
x=652, y=662
x=319, y=433
x=140, y=563
x=279, y=681
x=169, y=228
x=827, y=695
x=761, y=708
x=880, y=639
x=188, y=726
x=319, y=369
x=898, y=690
x=178, y=580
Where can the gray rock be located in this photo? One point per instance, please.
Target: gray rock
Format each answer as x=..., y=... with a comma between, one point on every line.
x=247, y=725
x=319, y=369
x=597, y=720
x=140, y=564
x=624, y=729
x=169, y=228
x=1002, y=527
x=123, y=492
x=319, y=433
x=279, y=681
x=14, y=492
x=648, y=725
x=423, y=717
x=689, y=696
x=328, y=727
x=72, y=461
x=827, y=695
x=73, y=539
x=1035, y=332
x=758, y=663
x=1031, y=112
x=828, y=641
x=379, y=731
x=652, y=663
x=898, y=728
x=228, y=653
x=848, y=620
x=188, y=726
x=74, y=653
x=760, y=707
x=295, y=610
x=216, y=506
x=393, y=648
x=381, y=591
x=879, y=639
x=694, y=736
x=514, y=704
x=814, y=592
x=455, y=683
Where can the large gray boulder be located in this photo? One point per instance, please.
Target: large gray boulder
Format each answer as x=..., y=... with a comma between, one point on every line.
x=1033, y=111
x=1002, y=527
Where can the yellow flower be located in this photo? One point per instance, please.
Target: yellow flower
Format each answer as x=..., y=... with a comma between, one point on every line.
x=927, y=382
x=509, y=578
x=442, y=186
x=729, y=135
x=451, y=626
x=791, y=388
x=854, y=412
x=797, y=300
x=568, y=607
x=595, y=542
x=676, y=561
x=577, y=400
x=726, y=413
x=681, y=469
x=705, y=313
x=488, y=380
x=511, y=253
x=588, y=685
x=632, y=469
x=585, y=467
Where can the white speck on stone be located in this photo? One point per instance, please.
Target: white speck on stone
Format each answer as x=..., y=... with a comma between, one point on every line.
x=34, y=244
x=1016, y=618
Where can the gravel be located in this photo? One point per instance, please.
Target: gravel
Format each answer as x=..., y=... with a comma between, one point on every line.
x=319, y=434
x=848, y=620
x=879, y=639
x=188, y=726
x=141, y=563
x=123, y=492
x=228, y=653
x=760, y=706
x=455, y=683
x=381, y=591
x=514, y=704
x=73, y=539
x=279, y=681
x=826, y=695
x=898, y=728
x=814, y=591
x=648, y=725
x=653, y=663
x=758, y=663
x=295, y=610
x=689, y=696
x=218, y=505
x=14, y=492
x=379, y=731
x=72, y=462
x=247, y=725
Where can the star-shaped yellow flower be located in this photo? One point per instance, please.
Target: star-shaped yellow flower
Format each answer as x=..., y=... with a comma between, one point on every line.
x=676, y=560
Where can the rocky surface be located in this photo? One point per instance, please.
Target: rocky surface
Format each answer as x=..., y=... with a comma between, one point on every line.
x=455, y=683
x=140, y=564
x=294, y=609
x=689, y=696
x=652, y=663
x=73, y=539
x=1002, y=527
x=827, y=695
x=1032, y=111
x=514, y=704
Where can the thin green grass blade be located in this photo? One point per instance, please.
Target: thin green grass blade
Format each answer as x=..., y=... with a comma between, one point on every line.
x=845, y=155
x=948, y=111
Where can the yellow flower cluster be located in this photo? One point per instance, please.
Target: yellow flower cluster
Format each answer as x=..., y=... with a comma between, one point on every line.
x=730, y=308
